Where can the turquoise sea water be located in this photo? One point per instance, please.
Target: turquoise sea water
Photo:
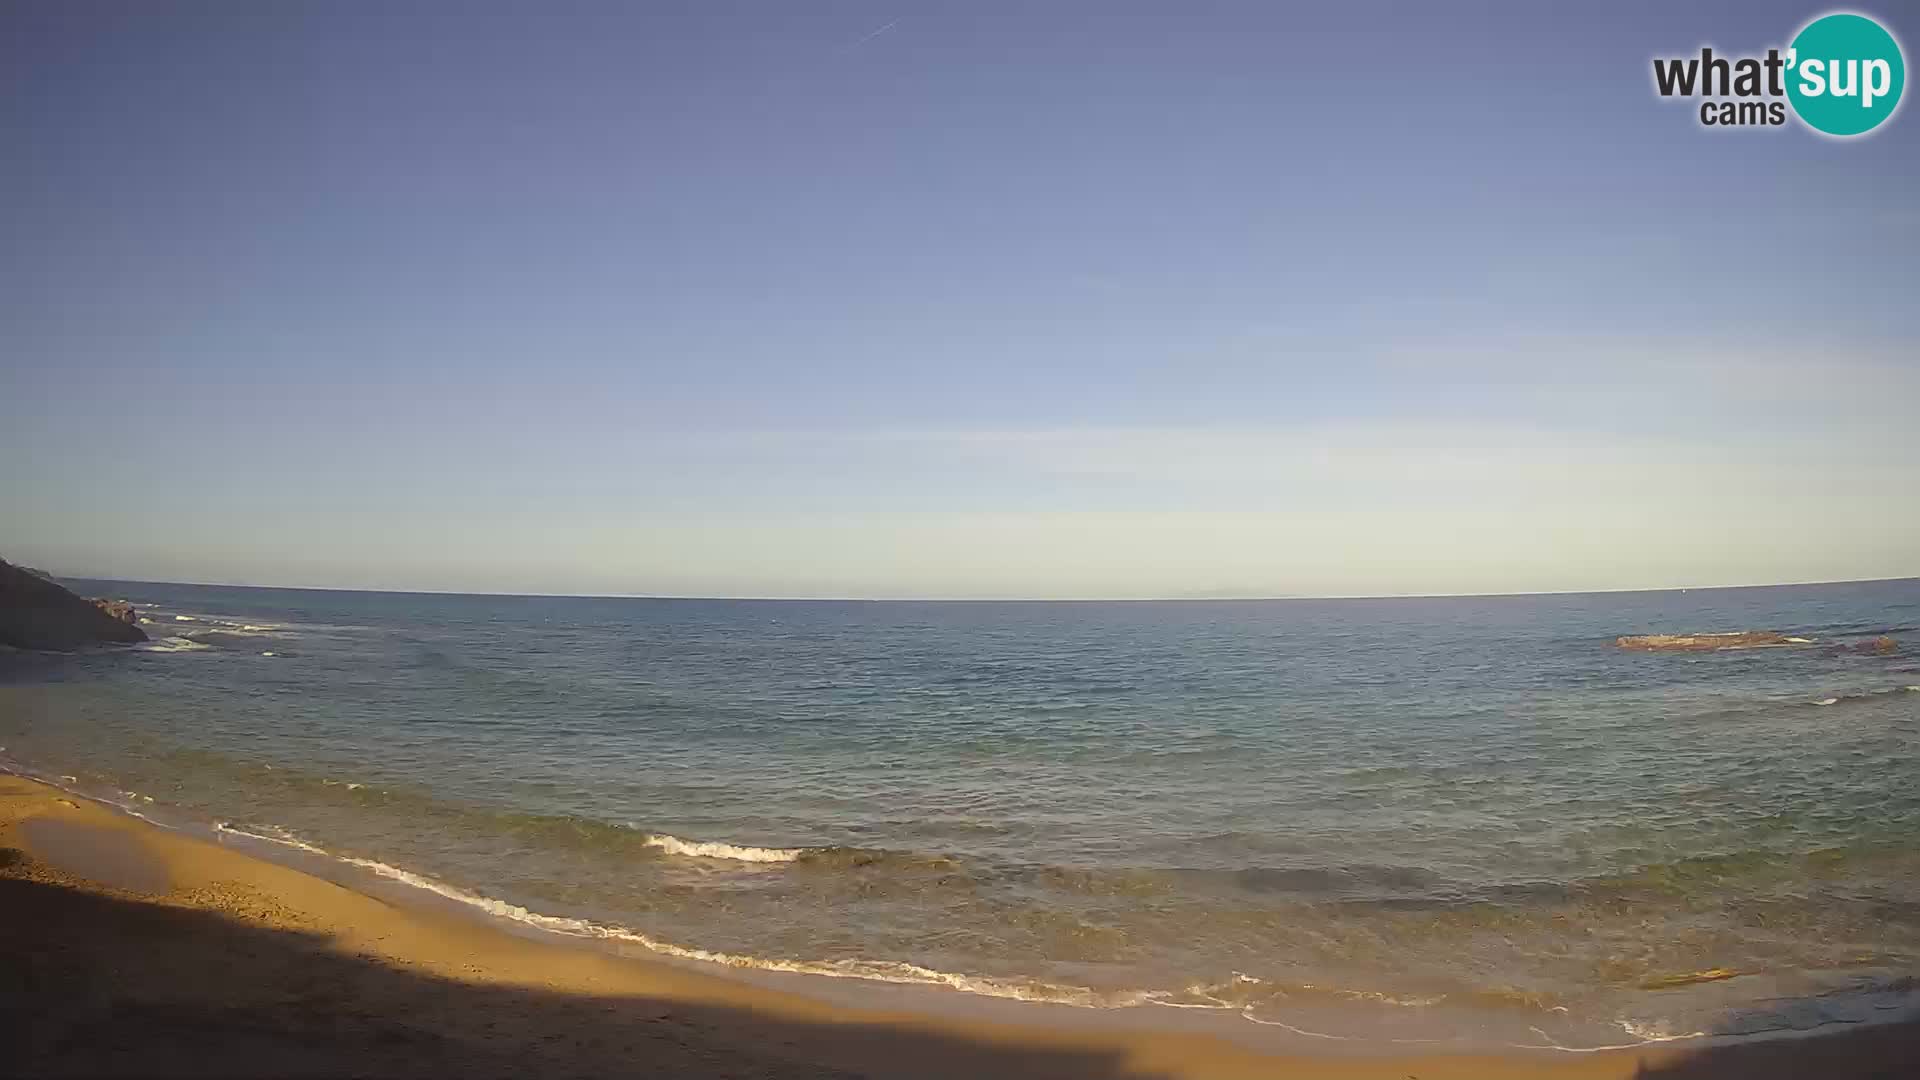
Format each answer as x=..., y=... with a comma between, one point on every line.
x=1464, y=819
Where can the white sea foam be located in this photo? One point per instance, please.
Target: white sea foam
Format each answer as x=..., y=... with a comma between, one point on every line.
x=284, y=837
x=1212, y=998
x=133, y=799
x=1389, y=999
x=1655, y=1031
x=886, y=971
x=1247, y=1014
x=173, y=644
x=1828, y=701
x=1643, y=1032
x=125, y=808
x=872, y=970
x=714, y=849
x=185, y=618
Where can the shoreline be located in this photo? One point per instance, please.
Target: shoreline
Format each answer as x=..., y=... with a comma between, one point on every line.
x=334, y=951
x=1315, y=1028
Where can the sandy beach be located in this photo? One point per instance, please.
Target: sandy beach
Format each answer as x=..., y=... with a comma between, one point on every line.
x=948, y=541
x=140, y=951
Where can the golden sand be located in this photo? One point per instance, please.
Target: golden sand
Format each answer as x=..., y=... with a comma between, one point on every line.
x=127, y=949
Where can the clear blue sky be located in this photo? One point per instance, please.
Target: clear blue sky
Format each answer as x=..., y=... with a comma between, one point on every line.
x=882, y=300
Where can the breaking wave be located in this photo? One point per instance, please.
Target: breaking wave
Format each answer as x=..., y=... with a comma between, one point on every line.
x=888, y=971
x=714, y=849
x=172, y=645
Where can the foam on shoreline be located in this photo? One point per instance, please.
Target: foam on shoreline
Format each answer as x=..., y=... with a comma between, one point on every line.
x=1645, y=1033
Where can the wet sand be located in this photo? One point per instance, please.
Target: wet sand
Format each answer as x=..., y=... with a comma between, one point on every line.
x=131, y=950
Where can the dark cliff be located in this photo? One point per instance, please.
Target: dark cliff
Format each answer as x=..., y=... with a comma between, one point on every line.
x=35, y=613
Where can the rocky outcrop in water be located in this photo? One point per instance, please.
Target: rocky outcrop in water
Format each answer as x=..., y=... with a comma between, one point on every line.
x=36, y=613
x=118, y=609
x=1742, y=639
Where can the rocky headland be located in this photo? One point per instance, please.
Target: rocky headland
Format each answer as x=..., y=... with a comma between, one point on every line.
x=37, y=613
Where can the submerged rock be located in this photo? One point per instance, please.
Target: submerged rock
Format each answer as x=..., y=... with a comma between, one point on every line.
x=36, y=613
x=1739, y=639
x=1884, y=645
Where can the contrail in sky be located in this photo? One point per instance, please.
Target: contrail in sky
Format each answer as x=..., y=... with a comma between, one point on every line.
x=872, y=35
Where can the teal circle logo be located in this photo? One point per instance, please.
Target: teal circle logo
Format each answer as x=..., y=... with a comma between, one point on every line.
x=1845, y=74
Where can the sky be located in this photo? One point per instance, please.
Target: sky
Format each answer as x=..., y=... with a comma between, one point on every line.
x=882, y=300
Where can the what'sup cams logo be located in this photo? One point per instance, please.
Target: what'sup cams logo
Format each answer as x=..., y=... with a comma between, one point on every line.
x=1842, y=76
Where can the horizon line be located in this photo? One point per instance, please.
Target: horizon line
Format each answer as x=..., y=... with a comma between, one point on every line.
x=1242, y=599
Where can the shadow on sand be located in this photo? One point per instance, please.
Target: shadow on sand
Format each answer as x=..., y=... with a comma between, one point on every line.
x=1874, y=1052
x=1781, y=1044
x=97, y=985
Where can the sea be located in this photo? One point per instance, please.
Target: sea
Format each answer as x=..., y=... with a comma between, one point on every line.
x=1462, y=821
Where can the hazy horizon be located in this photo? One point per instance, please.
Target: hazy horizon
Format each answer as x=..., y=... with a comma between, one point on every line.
x=1193, y=598
x=877, y=302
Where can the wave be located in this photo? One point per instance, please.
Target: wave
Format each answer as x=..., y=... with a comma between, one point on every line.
x=1236, y=993
x=1644, y=1033
x=210, y=631
x=273, y=835
x=1865, y=695
x=1245, y=991
x=1404, y=887
x=227, y=638
x=595, y=834
x=714, y=849
x=172, y=645
x=1782, y=704
x=545, y=830
x=888, y=971
x=831, y=856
